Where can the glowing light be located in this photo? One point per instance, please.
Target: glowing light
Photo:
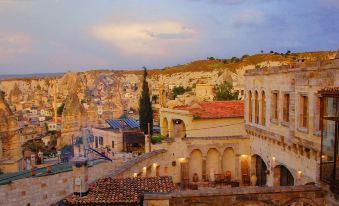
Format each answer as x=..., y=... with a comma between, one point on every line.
x=273, y=158
x=144, y=168
x=182, y=159
x=135, y=174
x=244, y=156
x=155, y=164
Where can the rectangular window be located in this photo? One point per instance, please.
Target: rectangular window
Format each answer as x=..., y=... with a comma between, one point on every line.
x=112, y=144
x=275, y=102
x=101, y=140
x=303, y=111
x=286, y=114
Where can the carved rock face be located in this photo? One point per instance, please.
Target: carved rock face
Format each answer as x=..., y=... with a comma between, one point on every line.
x=10, y=144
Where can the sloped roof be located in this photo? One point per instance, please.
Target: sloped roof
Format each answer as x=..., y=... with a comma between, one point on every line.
x=122, y=123
x=215, y=110
x=117, y=191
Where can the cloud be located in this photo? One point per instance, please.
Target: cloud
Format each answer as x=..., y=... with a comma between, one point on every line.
x=248, y=18
x=146, y=38
x=12, y=45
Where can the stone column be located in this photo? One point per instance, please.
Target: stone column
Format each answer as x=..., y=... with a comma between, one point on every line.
x=220, y=169
x=237, y=167
x=204, y=172
x=80, y=176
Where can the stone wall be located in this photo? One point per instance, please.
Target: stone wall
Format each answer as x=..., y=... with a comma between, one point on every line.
x=47, y=190
x=256, y=196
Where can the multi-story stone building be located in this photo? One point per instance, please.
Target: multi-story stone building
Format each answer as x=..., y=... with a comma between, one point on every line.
x=282, y=117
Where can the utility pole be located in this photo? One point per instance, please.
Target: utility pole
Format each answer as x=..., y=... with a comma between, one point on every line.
x=149, y=136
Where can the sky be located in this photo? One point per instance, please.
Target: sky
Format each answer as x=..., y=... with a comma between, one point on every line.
x=49, y=36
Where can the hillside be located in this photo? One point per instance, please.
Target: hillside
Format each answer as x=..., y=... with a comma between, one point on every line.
x=236, y=63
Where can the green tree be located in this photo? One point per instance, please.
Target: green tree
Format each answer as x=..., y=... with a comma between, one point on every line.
x=224, y=92
x=179, y=91
x=145, y=107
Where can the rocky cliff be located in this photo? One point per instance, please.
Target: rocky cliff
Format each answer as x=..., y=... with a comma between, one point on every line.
x=122, y=88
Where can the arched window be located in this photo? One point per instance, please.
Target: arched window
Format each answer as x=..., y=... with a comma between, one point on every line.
x=263, y=108
x=256, y=107
x=250, y=106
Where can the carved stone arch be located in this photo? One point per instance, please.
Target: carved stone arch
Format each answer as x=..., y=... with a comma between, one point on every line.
x=251, y=203
x=299, y=200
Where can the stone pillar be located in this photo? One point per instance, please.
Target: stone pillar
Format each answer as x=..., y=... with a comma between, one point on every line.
x=80, y=176
x=220, y=169
x=204, y=172
x=237, y=167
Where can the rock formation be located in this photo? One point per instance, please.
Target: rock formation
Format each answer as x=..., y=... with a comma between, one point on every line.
x=10, y=150
x=73, y=118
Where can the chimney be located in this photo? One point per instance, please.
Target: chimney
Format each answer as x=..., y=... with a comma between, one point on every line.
x=80, y=176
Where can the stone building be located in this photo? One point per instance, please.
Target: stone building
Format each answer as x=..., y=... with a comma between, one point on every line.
x=10, y=148
x=207, y=138
x=204, y=91
x=283, y=120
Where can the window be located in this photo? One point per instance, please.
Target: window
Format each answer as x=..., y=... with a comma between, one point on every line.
x=317, y=116
x=275, y=100
x=286, y=114
x=256, y=108
x=101, y=140
x=263, y=108
x=112, y=144
x=303, y=118
x=250, y=106
x=329, y=165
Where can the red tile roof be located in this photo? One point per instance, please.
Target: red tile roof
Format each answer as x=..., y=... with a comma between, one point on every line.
x=216, y=109
x=117, y=191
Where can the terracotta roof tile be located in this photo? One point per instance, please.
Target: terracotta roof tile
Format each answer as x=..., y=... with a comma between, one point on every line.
x=216, y=109
x=111, y=191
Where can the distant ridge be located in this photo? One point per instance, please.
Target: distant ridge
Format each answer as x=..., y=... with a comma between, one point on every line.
x=20, y=76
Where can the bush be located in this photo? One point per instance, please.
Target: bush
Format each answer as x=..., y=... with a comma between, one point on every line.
x=157, y=138
x=224, y=92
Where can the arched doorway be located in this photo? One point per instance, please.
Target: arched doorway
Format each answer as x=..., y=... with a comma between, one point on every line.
x=260, y=170
x=212, y=163
x=228, y=161
x=179, y=130
x=195, y=164
x=282, y=176
x=164, y=127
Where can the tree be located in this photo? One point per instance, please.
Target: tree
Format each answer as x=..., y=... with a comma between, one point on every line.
x=224, y=92
x=179, y=91
x=262, y=51
x=145, y=107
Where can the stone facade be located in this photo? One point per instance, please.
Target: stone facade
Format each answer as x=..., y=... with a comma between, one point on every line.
x=259, y=196
x=47, y=190
x=282, y=119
